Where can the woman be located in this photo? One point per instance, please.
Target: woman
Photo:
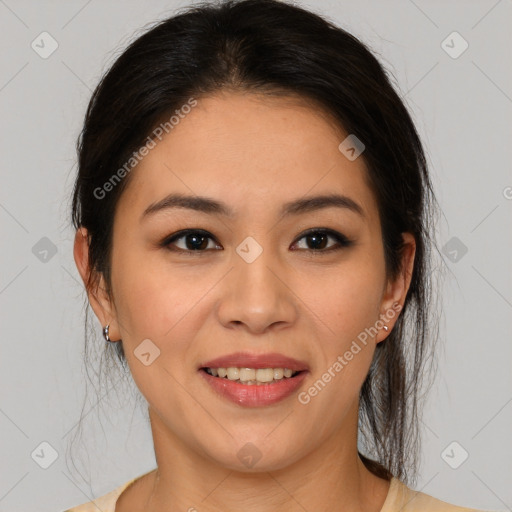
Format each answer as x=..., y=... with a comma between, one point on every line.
x=254, y=214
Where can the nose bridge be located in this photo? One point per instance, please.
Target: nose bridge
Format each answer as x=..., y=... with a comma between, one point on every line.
x=254, y=277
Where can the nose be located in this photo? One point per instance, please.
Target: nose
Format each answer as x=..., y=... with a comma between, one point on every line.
x=255, y=296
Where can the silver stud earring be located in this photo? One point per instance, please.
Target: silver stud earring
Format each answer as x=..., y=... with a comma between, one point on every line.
x=105, y=334
x=386, y=328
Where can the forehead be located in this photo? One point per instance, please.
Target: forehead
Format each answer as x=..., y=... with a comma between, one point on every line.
x=245, y=146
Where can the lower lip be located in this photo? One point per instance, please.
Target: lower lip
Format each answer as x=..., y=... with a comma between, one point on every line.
x=255, y=395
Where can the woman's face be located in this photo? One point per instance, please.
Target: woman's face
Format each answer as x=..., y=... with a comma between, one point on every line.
x=256, y=282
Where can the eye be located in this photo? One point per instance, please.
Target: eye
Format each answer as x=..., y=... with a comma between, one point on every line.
x=194, y=240
x=318, y=237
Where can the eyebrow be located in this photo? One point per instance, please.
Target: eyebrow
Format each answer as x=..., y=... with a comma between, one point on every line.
x=214, y=207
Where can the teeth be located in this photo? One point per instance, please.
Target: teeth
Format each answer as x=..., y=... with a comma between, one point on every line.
x=264, y=374
x=278, y=373
x=246, y=374
x=251, y=375
x=233, y=373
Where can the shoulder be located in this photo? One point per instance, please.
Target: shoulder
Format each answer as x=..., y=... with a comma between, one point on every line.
x=400, y=497
x=105, y=503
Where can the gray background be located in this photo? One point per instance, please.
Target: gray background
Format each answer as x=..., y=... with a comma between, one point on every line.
x=462, y=107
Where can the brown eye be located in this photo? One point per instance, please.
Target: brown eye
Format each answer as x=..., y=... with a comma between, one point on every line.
x=193, y=241
x=317, y=240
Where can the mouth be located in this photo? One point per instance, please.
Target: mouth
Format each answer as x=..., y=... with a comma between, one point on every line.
x=253, y=380
x=252, y=387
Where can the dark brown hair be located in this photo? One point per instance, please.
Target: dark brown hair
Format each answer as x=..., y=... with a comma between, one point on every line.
x=276, y=48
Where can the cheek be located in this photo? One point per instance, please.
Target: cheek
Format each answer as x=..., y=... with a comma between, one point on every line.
x=349, y=307
x=348, y=298
x=156, y=304
x=347, y=301
x=152, y=297
x=166, y=305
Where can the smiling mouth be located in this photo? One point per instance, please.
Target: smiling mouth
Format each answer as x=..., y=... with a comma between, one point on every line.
x=252, y=376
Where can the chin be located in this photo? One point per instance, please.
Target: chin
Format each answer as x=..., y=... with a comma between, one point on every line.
x=256, y=456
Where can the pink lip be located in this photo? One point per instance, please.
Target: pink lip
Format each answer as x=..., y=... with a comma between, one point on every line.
x=247, y=360
x=254, y=395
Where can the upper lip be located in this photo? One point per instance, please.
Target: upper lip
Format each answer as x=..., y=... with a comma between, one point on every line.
x=248, y=360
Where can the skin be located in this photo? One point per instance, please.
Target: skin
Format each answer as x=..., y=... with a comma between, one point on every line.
x=254, y=154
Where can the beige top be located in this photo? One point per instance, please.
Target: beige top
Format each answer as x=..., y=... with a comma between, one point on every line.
x=399, y=498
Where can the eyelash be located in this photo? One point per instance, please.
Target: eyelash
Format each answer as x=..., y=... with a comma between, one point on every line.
x=343, y=241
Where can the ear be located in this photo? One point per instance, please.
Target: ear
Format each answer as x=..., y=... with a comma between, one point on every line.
x=96, y=290
x=396, y=290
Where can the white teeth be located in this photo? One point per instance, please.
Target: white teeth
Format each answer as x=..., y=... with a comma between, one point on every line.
x=264, y=374
x=252, y=376
x=233, y=373
x=247, y=374
x=278, y=373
